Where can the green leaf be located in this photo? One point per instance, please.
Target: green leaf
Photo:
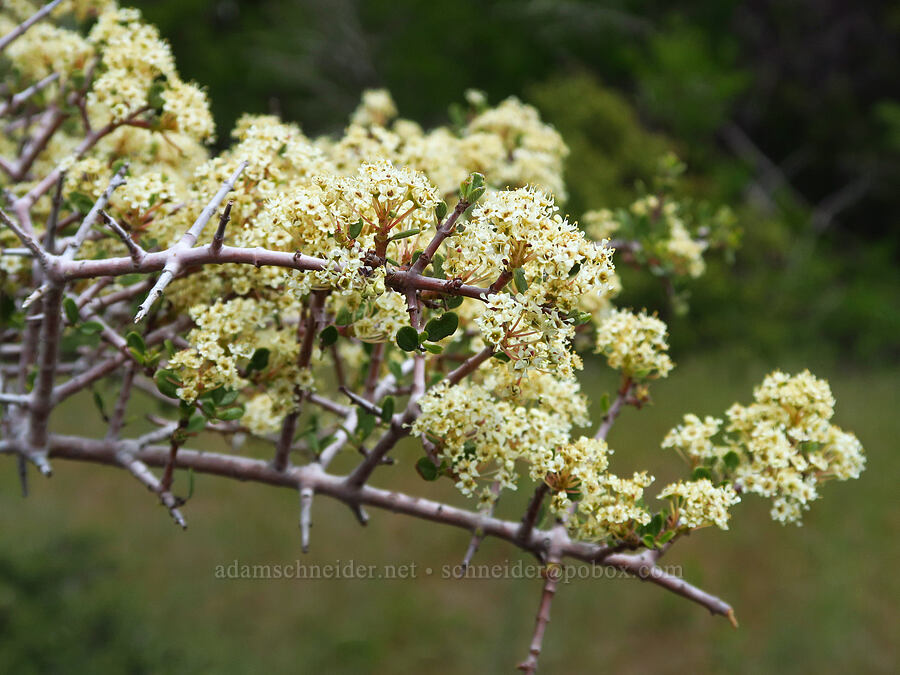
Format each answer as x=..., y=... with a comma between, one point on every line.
x=365, y=423
x=440, y=211
x=437, y=266
x=519, y=279
x=434, y=349
x=328, y=336
x=665, y=537
x=344, y=317
x=654, y=526
x=215, y=395
x=71, y=311
x=469, y=449
x=91, y=328
x=731, y=460
x=442, y=326
x=230, y=414
x=405, y=234
x=155, y=97
x=408, y=339
x=502, y=357
x=604, y=403
x=228, y=397
x=196, y=424
x=167, y=382
x=354, y=230
x=576, y=268
x=648, y=541
x=396, y=369
x=387, y=409
x=426, y=469
x=453, y=301
x=701, y=472
x=472, y=188
x=118, y=164
x=80, y=202
x=136, y=342
x=259, y=360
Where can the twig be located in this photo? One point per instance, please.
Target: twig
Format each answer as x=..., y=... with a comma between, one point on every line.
x=118, y=416
x=478, y=534
x=444, y=231
x=28, y=23
x=375, y=363
x=140, y=471
x=25, y=94
x=134, y=250
x=81, y=234
x=363, y=403
x=529, y=519
x=552, y=573
x=30, y=242
x=610, y=417
x=219, y=236
x=173, y=263
x=314, y=319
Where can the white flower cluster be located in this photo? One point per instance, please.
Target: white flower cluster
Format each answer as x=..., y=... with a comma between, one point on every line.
x=782, y=446
x=605, y=504
x=635, y=344
x=137, y=71
x=523, y=230
x=699, y=503
x=481, y=434
x=529, y=336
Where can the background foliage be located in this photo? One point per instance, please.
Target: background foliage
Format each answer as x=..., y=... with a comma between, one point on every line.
x=788, y=112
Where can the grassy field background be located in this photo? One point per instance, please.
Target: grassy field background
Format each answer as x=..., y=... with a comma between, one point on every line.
x=95, y=577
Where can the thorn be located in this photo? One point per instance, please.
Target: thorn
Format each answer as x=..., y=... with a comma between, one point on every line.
x=360, y=514
x=732, y=618
x=40, y=461
x=306, y=497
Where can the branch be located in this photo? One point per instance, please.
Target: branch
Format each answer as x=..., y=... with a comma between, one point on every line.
x=247, y=469
x=314, y=318
x=25, y=94
x=219, y=236
x=48, y=357
x=173, y=264
x=399, y=425
x=529, y=519
x=551, y=573
x=478, y=534
x=30, y=242
x=28, y=23
x=81, y=234
x=610, y=417
x=444, y=231
x=134, y=250
x=140, y=471
x=398, y=280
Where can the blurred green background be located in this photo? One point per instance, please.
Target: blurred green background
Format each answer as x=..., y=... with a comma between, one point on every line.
x=789, y=112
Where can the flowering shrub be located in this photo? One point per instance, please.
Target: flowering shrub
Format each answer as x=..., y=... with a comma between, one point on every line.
x=394, y=281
